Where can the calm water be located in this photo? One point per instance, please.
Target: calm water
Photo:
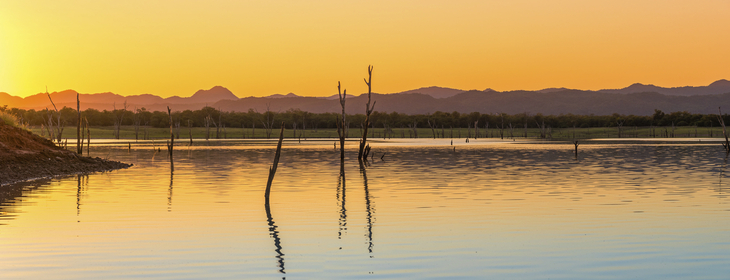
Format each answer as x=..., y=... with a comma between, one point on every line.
x=622, y=210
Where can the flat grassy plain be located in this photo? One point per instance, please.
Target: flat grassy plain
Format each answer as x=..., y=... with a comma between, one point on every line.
x=151, y=133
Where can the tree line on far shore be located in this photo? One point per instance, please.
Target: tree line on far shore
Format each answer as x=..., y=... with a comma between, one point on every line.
x=297, y=119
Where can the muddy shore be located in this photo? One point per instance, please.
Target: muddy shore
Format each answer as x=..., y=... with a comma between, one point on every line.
x=25, y=156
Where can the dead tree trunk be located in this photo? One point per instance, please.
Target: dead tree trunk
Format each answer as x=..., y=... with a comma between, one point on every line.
x=368, y=111
x=620, y=125
x=207, y=122
x=726, y=145
x=118, y=121
x=272, y=169
x=79, y=145
x=476, y=130
x=136, y=125
x=88, y=135
x=83, y=136
x=431, y=126
x=341, y=124
x=59, y=129
x=171, y=144
x=501, y=129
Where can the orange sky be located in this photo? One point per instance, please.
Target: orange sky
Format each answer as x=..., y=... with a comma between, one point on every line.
x=258, y=48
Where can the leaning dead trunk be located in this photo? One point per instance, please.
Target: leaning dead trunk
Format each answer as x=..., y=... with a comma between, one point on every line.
x=431, y=126
x=272, y=169
x=726, y=145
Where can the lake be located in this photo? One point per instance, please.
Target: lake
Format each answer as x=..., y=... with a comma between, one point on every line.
x=639, y=209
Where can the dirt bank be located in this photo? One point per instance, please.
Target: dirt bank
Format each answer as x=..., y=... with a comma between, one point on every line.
x=26, y=156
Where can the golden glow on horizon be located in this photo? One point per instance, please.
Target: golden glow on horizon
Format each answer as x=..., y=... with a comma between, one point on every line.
x=258, y=48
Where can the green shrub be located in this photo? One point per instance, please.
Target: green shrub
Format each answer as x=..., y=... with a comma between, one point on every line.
x=9, y=118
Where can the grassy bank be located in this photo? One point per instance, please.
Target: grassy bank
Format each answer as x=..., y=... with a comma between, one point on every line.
x=151, y=133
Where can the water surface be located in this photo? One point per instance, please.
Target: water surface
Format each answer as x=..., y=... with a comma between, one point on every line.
x=487, y=209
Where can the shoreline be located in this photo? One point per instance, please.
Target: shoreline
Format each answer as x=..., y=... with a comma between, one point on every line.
x=26, y=157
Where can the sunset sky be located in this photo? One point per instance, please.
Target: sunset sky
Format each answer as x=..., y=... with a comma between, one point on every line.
x=258, y=48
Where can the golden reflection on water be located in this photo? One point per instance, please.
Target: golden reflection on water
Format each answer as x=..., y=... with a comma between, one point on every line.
x=518, y=210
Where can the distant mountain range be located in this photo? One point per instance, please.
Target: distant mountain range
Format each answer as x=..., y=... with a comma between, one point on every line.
x=637, y=99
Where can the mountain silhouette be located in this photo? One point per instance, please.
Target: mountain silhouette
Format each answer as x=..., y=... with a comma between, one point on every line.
x=637, y=99
x=717, y=87
x=435, y=92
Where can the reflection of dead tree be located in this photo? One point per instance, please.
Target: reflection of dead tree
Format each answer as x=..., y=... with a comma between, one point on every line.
x=369, y=207
x=341, y=130
x=341, y=189
x=274, y=233
x=368, y=110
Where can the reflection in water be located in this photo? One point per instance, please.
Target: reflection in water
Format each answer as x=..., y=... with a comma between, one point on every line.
x=617, y=212
x=78, y=195
x=342, y=200
x=79, y=184
x=169, y=195
x=722, y=174
x=368, y=206
x=275, y=234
